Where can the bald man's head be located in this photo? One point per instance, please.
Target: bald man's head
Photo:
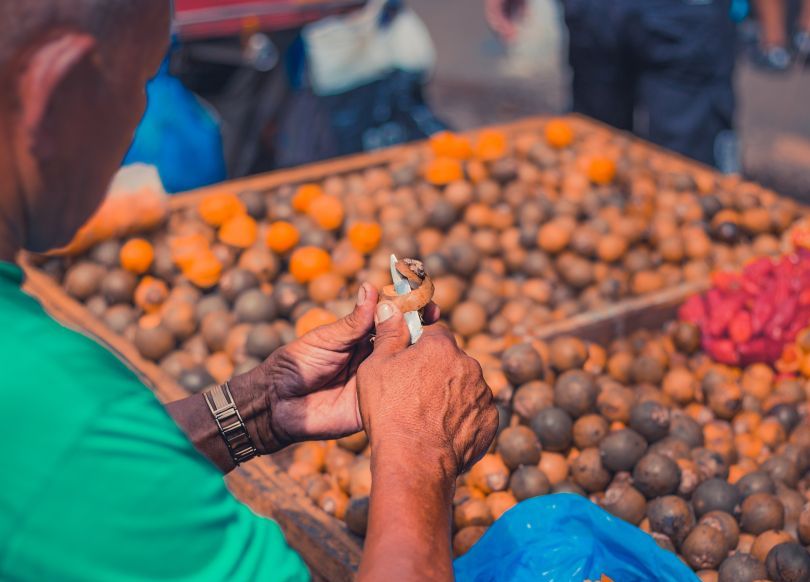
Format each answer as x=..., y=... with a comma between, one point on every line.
x=26, y=21
x=72, y=76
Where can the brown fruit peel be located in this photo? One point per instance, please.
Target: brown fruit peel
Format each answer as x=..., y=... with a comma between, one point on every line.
x=421, y=285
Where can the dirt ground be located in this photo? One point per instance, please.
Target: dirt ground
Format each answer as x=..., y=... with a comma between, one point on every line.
x=479, y=81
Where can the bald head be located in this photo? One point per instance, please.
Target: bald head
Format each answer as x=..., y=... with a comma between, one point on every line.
x=72, y=76
x=25, y=22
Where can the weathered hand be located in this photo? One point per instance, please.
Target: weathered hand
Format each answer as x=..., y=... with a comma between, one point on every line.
x=428, y=399
x=310, y=385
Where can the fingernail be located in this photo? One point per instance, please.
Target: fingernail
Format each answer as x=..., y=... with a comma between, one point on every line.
x=384, y=311
x=361, y=294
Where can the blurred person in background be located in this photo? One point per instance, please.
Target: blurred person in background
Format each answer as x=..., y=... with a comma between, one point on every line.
x=100, y=481
x=774, y=50
x=660, y=68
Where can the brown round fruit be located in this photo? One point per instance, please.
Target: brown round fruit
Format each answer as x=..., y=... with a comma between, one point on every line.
x=788, y=562
x=467, y=538
x=672, y=516
x=625, y=502
x=725, y=524
x=656, y=475
x=262, y=340
x=531, y=398
x=468, y=318
x=119, y=317
x=704, y=547
x=715, y=495
x=741, y=567
x=153, y=339
x=518, y=446
x=356, y=516
x=236, y=281
x=489, y=474
x=214, y=329
x=651, y=420
x=553, y=427
x=589, y=430
x=83, y=280
x=255, y=306
x=621, y=450
x=766, y=541
x=118, y=286
x=521, y=364
x=575, y=392
x=472, y=512
x=567, y=353
x=528, y=481
x=588, y=471
x=761, y=512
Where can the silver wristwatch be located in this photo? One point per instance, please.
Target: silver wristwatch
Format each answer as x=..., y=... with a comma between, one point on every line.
x=230, y=423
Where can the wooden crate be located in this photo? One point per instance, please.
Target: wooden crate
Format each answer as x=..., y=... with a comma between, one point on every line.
x=330, y=550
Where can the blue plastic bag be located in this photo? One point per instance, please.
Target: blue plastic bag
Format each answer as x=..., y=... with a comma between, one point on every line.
x=178, y=135
x=566, y=538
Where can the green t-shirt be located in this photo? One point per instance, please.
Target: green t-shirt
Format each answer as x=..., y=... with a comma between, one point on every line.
x=96, y=480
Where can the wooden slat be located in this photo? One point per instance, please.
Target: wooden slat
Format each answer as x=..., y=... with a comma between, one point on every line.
x=623, y=318
x=342, y=165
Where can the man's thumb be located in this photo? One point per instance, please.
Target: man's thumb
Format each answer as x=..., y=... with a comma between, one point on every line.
x=392, y=331
x=353, y=327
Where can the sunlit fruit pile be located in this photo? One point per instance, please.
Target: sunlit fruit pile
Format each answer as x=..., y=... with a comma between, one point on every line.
x=711, y=460
x=516, y=231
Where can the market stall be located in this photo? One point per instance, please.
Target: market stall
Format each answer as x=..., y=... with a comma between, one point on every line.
x=566, y=258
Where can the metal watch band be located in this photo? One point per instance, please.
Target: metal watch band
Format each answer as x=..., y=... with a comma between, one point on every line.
x=230, y=423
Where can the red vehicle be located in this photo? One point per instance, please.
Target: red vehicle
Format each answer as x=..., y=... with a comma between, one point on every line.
x=206, y=19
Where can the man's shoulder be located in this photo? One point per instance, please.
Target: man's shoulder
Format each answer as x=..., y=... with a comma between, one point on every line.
x=44, y=360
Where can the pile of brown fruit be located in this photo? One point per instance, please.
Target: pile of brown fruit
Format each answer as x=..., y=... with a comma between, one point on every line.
x=711, y=460
x=516, y=231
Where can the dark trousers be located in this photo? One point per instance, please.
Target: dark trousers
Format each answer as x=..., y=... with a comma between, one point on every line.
x=661, y=68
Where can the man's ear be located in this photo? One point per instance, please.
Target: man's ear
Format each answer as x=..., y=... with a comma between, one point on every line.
x=60, y=94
